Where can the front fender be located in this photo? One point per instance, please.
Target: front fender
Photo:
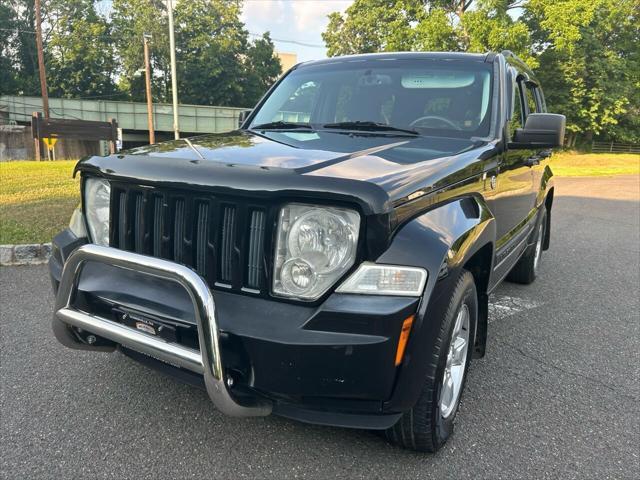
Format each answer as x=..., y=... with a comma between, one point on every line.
x=441, y=241
x=547, y=183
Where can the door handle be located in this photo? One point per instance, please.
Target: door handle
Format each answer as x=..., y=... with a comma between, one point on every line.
x=535, y=159
x=532, y=161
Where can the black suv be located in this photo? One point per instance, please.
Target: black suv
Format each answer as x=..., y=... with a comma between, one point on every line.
x=331, y=260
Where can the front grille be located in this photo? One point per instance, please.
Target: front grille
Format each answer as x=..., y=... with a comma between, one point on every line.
x=222, y=238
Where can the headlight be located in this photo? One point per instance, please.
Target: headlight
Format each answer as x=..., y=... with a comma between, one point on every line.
x=315, y=247
x=97, y=199
x=76, y=224
x=374, y=279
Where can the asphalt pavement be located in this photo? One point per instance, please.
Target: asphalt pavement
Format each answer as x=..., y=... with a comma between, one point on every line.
x=557, y=395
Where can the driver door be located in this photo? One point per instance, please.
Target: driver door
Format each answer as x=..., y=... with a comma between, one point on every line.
x=511, y=195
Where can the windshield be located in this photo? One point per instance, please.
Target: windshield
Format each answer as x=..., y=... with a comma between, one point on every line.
x=427, y=96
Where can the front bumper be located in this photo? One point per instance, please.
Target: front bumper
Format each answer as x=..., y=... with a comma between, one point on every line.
x=207, y=361
x=329, y=364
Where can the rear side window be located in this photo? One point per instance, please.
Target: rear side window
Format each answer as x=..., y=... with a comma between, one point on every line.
x=531, y=98
x=517, y=110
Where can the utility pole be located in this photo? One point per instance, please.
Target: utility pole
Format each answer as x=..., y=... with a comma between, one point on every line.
x=43, y=75
x=174, y=77
x=147, y=70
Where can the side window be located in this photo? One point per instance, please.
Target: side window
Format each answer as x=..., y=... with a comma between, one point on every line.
x=541, y=101
x=517, y=117
x=530, y=95
x=300, y=105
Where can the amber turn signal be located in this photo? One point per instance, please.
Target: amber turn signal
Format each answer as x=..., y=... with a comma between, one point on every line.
x=404, y=336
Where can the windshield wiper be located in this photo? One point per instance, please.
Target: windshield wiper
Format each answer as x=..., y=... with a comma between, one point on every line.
x=280, y=125
x=369, y=127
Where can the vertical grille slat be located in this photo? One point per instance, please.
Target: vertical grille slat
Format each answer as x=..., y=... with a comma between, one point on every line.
x=227, y=242
x=139, y=224
x=202, y=238
x=122, y=221
x=223, y=238
x=256, y=239
x=158, y=226
x=178, y=232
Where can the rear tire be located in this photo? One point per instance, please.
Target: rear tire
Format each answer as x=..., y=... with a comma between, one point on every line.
x=428, y=425
x=526, y=270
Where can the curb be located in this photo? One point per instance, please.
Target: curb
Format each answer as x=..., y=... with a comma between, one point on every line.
x=28, y=254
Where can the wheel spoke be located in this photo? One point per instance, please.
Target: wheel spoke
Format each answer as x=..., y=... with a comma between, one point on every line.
x=458, y=325
x=455, y=362
x=446, y=396
x=459, y=351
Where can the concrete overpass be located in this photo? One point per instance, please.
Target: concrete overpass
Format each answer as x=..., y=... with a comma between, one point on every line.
x=131, y=116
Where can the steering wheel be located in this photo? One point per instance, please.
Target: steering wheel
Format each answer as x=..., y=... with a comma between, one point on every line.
x=447, y=122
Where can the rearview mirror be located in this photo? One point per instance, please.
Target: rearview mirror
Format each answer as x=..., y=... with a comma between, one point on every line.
x=541, y=130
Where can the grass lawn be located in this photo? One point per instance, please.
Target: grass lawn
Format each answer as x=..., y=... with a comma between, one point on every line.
x=570, y=164
x=36, y=200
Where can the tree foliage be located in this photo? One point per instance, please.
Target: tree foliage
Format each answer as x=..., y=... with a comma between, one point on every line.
x=210, y=42
x=96, y=54
x=261, y=69
x=590, y=64
x=8, y=73
x=80, y=54
x=19, y=58
x=585, y=53
x=131, y=20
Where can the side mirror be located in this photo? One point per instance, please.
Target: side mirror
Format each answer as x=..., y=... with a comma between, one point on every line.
x=244, y=114
x=541, y=130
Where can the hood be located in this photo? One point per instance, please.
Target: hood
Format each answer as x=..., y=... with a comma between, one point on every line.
x=378, y=163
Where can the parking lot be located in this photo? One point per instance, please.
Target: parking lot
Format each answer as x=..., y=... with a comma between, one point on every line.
x=557, y=395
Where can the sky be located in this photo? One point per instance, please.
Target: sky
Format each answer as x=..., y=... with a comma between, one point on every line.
x=299, y=21
x=295, y=25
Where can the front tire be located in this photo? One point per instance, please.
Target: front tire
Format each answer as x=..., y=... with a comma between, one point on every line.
x=526, y=270
x=428, y=425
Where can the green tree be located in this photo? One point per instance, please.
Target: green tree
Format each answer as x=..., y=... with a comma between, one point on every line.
x=8, y=26
x=210, y=44
x=374, y=26
x=585, y=53
x=589, y=65
x=130, y=21
x=409, y=25
x=262, y=69
x=490, y=27
x=80, y=53
x=21, y=47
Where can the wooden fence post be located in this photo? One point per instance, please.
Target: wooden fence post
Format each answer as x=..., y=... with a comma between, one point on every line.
x=35, y=133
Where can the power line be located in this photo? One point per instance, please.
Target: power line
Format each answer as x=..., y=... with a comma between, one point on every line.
x=252, y=34
x=295, y=42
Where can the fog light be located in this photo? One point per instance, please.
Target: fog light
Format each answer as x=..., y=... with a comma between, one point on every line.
x=297, y=275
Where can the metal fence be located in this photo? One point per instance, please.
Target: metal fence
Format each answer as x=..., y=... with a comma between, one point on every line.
x=612, y=147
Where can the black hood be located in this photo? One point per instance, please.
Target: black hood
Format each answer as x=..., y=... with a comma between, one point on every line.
x=381, y=170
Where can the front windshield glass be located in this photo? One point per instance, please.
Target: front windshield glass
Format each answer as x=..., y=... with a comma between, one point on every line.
x=431, y=97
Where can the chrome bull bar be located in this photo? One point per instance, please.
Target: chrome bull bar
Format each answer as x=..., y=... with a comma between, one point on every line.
x=207, y=361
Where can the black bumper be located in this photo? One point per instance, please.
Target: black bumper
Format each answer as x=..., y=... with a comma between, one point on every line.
x=328, y=364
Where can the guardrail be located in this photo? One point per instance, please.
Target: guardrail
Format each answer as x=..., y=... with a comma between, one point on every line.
x=612, y=147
